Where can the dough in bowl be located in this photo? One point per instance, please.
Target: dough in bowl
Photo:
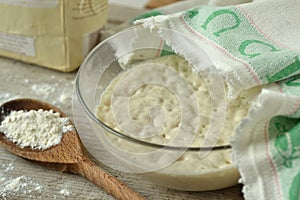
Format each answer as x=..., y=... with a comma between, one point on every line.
x=190, y=171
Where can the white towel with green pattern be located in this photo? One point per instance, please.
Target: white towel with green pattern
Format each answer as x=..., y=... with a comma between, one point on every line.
x=253, y=44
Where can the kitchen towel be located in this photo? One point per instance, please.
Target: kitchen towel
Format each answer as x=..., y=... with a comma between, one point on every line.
x=254, y=44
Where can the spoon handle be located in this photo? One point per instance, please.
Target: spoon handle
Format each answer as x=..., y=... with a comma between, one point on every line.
x=109, y=183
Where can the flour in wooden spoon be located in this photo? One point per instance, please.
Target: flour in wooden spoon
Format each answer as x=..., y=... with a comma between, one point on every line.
x=36, y=129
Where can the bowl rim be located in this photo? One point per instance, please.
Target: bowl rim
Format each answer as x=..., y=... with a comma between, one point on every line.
x=122, y=135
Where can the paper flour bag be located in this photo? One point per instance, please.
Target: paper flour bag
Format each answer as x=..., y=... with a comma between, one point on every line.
x=53, y=33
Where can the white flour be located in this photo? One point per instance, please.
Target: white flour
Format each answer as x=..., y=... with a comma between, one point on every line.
x=9, y=167
x=10, y=186
x=14, y=186
x=44, y=89
x=64, y=192
x=36, y=129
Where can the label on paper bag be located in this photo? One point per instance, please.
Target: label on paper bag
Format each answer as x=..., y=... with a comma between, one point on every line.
x=17, y=44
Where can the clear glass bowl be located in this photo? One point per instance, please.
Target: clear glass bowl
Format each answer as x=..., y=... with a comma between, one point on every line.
x=173, y=166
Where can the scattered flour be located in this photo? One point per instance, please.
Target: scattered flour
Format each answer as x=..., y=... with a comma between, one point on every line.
x=36, y=129
x=21, y=184
x=10, y=186
x=64, y=192
x=66, y=96
x=9, y=167
x=2, y=180
x=44, y=89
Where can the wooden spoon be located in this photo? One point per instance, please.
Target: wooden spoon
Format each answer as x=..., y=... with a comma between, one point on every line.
x=68, y=156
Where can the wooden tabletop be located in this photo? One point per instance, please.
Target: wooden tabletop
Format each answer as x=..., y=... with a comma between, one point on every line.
x=21, y=179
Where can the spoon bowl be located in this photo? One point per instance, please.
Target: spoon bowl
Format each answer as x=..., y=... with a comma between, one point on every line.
x=67, y=156
x=69, y=150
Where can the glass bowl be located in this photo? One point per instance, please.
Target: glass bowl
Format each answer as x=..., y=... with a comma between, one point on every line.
x=178, y=164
